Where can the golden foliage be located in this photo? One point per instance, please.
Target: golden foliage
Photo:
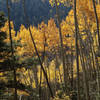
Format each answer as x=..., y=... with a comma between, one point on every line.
x=47, y=36
x=6, y=30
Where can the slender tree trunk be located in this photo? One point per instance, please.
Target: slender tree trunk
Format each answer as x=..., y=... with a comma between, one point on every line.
x=60, y=75
x=12, y=51
x=71, y=69
x=35, y=70
x=49, y=73
x=77, y=50
x=45, y=74
x=57, y=66
x=97, y=72
x=61, y=45
x=55, y=81
x=98, y=33
x=43, y=58
x=97, y=22
x=40, y=94
x=86, y=85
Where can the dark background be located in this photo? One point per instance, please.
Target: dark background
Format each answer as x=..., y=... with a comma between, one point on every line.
x=37, y=11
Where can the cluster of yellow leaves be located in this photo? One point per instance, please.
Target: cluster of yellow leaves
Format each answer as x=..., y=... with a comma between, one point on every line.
x=48, y=35
x=15, y=38
x=45, y=35
x=86, y=20
x=6, y=30
x=84, y=7
x=86, y=16
x=67, y=27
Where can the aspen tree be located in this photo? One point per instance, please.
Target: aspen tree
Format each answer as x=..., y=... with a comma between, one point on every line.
x=45, y=74
x=77, y=49
x=61, y=45
x=97, y=22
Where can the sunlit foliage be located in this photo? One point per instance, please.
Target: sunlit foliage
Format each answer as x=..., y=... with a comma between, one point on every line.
x=46, y=37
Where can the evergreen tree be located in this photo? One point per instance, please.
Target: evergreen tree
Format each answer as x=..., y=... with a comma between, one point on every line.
x=2, y=47
x=6, y=69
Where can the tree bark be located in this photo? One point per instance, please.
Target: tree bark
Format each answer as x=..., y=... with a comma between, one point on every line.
x=77, y=50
